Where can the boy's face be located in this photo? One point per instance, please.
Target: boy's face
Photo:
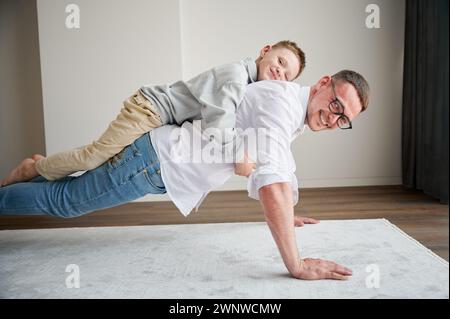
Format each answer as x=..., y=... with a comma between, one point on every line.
x=319, y=116
x=277, y=64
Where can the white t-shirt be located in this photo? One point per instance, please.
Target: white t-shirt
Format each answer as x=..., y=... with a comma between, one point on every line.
x=273, y=111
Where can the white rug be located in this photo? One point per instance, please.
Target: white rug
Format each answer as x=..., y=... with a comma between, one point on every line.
x=231, y=260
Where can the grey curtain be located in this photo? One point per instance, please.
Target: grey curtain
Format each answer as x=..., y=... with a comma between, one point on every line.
x=425, y=98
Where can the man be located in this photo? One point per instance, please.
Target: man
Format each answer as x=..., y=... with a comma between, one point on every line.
x=278, y=110
x=333, y=102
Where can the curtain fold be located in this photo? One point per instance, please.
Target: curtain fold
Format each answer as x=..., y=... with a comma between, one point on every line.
x=425, y=113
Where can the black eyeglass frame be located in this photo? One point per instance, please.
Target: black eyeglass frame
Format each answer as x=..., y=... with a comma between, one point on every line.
x=341, y=114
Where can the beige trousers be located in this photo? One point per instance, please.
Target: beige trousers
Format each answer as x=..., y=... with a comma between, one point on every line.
x=138, y=116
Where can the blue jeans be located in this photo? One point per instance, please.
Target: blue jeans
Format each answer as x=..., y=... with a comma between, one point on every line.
x=129, y=175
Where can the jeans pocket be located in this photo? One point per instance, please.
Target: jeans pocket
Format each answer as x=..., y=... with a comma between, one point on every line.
x=153, y=175
x=123, y=157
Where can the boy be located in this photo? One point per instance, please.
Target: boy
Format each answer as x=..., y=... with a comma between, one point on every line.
x=211, y=96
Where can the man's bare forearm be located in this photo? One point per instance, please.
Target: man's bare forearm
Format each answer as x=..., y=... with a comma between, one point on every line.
x=277, y=203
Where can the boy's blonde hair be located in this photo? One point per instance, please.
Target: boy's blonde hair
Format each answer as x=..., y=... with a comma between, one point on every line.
x=290, y=45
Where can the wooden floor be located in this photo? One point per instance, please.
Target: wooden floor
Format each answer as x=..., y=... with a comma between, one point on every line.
x=419, y=215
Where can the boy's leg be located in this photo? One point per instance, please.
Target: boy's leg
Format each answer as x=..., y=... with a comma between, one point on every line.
x=26, y=170
x=137, y=117
x=131, y=174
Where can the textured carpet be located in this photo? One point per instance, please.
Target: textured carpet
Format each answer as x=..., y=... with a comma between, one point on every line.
x=231, y=260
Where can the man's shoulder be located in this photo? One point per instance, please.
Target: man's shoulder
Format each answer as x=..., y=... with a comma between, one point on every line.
x=276, y=99
x=272, y=89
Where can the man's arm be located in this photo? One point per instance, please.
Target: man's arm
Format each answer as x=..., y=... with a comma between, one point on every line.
x=276, y=200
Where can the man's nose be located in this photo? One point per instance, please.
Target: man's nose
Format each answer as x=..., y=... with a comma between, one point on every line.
x=333, y=118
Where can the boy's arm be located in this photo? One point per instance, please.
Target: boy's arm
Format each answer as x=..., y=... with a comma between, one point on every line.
x=220, y=91
x=219, y=112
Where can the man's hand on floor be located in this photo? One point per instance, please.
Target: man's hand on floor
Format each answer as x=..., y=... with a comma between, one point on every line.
x=315, y=269
x=301, y=221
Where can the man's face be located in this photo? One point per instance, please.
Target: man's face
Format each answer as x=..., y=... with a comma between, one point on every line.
x=278, y=64
x=319, y=116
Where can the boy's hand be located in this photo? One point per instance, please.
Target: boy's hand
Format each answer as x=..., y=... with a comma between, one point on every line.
x=301, y=221
x=244, y=167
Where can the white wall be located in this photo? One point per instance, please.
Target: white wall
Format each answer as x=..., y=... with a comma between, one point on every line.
x=124, y=44
x=334, y=37
x=88, y=72
x=21, y=116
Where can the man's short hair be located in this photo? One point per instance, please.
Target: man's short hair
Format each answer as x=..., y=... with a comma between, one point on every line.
x=290, y=45
x=358, y=82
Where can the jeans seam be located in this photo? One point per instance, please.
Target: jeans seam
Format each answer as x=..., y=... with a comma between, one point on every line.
x=130, y=177
x=11, y=210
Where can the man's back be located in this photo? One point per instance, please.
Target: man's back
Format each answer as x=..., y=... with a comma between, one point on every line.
x=276, y=107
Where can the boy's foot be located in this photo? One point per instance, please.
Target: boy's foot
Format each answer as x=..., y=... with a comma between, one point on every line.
x=37, y=157
x=22, y=173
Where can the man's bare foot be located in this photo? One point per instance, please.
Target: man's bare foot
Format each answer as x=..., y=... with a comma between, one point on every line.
x=22, y=173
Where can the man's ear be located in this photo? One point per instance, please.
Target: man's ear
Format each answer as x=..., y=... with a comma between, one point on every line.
x=322, y=82
x=264, y=50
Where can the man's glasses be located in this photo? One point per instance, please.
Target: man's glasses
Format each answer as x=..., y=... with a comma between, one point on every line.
x=337, y=108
